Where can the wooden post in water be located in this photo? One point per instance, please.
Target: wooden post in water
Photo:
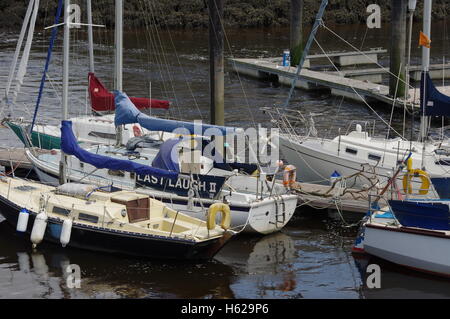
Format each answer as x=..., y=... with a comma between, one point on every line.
x=398, y=48
x=216, y=82
x=296, y=36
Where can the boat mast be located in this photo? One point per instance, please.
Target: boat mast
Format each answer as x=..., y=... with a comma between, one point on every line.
x=65, y=95
x=425, y=69
x=90, y=36
x=119, y=59
x=18, y=48
x=411, y=8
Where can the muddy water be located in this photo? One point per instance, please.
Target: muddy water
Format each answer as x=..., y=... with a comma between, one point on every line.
x=310, y=258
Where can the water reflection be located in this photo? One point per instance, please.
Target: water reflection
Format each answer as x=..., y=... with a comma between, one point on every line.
x=402, y=283
x=264, y=265
x=25, y=273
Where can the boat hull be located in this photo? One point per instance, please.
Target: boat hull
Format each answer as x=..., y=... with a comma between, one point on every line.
x=315, y=166
x=40, y=140
x=265, y=216
x=122, y=243
x=425, y=251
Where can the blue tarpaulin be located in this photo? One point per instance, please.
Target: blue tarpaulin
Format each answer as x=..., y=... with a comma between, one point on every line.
x=70, y=146
x=435, y=103
x=127, y=113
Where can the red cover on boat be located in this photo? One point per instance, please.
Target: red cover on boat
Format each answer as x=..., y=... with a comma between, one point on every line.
x=103, y=101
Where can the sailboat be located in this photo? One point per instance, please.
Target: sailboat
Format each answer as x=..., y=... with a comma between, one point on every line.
x=108, y=220
x=414, y=233
x=352, y=153
x=117, y=222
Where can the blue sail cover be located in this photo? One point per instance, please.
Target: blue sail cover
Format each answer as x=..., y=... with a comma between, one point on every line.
x=167, y=157
x=70, y=146
x=127, y=113
x=436, y=103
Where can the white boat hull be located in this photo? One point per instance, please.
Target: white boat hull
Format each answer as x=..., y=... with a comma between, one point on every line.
x=420, y=250
x=315, y=166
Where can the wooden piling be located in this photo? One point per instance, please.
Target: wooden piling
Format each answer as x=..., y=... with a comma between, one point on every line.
x=398, y=48
x=215, y=8
x=296, y=33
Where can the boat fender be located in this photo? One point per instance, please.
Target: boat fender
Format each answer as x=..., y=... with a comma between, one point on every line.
x=66, y=231
x=289, y=175
x=39, y=226
x=424, y=187
x=212, y=212
x=22, y=221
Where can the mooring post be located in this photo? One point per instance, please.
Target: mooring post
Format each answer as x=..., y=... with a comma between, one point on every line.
x=296, y=36
x=398, y=48
x=215, y=8
x=216, y=70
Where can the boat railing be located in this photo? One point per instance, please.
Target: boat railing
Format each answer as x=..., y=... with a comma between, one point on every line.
x=369, y=126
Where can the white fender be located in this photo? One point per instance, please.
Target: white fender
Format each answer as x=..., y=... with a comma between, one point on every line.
x=40, y=224
x=22, y=221
x=66, y=231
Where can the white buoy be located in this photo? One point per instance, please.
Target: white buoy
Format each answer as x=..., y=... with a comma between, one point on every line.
x=22, y=221
x=40, y=224
x=66, y=231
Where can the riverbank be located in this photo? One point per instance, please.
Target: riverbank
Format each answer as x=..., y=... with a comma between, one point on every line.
x=192, y=14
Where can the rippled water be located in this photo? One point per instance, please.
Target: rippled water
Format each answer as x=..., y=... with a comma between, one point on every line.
x=309, y=259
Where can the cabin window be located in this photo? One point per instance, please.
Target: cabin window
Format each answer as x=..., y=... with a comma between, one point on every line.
x=374, y=157
x=351, y=151
x=81, y=164
x=116, y=173
x=88, y=218
x=102, y=135
x=443, y=162
x=60, y=211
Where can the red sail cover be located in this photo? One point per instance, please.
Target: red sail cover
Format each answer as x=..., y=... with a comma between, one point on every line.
x=103, y=101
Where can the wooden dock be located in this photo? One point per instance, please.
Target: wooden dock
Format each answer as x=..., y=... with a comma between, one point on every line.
x=346, y=83
x=316, y=196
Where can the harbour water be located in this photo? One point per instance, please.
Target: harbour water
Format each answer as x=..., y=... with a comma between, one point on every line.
x=310, y=258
